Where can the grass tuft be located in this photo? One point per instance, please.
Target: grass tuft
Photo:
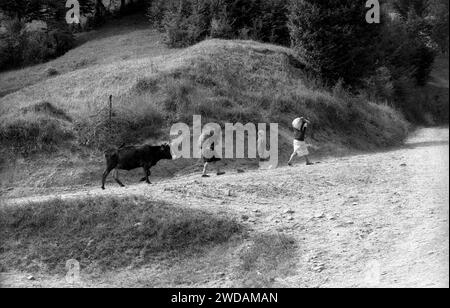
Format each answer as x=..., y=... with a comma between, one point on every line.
x=51, y=71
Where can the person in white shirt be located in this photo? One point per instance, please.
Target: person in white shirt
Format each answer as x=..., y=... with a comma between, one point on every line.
x=300, y=145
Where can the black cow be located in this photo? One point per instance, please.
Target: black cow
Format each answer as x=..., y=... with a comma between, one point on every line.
x=133, y=157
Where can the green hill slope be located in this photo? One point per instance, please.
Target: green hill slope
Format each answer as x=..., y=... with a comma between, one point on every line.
x=225, y=81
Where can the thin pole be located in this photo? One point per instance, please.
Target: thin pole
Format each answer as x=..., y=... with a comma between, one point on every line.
x=110, y=115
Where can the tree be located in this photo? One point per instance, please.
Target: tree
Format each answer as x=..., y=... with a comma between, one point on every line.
x=414, y=51
x=333, y=39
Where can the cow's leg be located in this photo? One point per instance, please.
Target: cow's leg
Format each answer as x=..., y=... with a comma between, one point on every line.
x=148, y=174
x=105, y=175
x=116, y=177
x=145, y=178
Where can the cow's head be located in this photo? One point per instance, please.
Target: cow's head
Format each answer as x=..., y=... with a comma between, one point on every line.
x=166, y=152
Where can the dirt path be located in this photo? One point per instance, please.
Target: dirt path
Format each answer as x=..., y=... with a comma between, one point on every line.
x=375, y=220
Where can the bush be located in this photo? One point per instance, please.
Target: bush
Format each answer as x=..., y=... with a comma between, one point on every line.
x=19, y=46
x=34, y=132
x=334, y=39
x=190, y=21
x=11, y=44
x=440, y=32
x=405, y=51
x=51, y=71
x=178, y=32
x=380, y=86
x=406, y=57
x=37, y=48
x=157, y=11
x=63, y=41
x=221, y=27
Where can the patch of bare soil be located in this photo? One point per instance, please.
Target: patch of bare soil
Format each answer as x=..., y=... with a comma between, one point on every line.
x=372, y=220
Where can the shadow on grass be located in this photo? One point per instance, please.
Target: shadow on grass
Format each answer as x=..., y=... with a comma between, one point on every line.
x=104, y=233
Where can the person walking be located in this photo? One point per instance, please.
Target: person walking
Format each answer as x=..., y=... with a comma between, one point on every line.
x=207, y=158
x=300, y=146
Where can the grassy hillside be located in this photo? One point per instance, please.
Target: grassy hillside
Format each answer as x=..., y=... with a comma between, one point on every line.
x=221, y=80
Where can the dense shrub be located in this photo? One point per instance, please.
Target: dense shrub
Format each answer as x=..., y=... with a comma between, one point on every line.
x=37, y=48
x=19, y=46
x=440, y=30
x=334, y=39
x=406, y=53
x=190, y=21
x=406, y=49
x=11, y=42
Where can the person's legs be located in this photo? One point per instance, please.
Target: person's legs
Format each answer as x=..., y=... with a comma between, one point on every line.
x=308, y=162
x=292, y=158
x=205, y=168
x=219, y=172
